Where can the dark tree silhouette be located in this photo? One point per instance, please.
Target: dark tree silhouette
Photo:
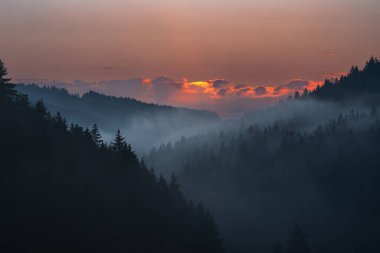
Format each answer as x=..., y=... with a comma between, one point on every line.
x=6, y=88
x=96, y=136
x=298, y=242
x=61, y=192
x=279, y=248
x=119, y=144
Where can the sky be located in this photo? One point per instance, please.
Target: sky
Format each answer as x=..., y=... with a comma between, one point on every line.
x=221, y=55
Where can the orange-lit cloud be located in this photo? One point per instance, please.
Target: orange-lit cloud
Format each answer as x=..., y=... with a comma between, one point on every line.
x=219, y=88
x=217, y=94
x=147, y=81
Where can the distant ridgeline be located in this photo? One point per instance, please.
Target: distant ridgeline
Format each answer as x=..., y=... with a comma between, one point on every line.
x=63, y=190
x=111, y=112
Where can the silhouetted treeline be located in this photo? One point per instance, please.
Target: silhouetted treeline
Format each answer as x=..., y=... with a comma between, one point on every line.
x=62, y=189
x=358, y=86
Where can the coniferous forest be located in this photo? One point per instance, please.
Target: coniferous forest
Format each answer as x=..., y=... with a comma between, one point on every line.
x=311, y=160
x=300, y=176
x=189, y=126
x=143, y=124
x=62, y=189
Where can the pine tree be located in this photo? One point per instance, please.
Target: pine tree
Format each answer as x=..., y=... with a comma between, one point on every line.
x=305, y=94
x=60, y=121
x=96, y=136
x=40, y=108
x=7, y=91
x=297, y=242
x=173, y=185
x=3, y=73
x=278, y=248
x=119, y=144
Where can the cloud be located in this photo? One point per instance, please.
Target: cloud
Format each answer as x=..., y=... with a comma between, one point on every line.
x=239, y=86
x=261, y=90
x=222, y=92
x=297, y=84
x=219, y=95
x=333, y=76
x=165, y=89
x=219, y=83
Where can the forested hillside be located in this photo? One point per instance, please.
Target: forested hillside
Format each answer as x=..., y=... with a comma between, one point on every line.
x=62, y=189
x=143, y=124
x=358, y=86
x=305, y=161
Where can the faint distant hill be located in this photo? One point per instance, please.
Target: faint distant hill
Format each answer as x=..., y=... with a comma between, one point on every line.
x=144, y=124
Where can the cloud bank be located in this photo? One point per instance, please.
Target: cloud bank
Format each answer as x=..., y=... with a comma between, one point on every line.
x=219, y=95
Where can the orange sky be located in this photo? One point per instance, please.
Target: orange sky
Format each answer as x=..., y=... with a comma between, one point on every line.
x=254, y=43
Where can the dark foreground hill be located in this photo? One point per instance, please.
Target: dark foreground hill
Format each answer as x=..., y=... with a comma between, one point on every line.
x=63, y=190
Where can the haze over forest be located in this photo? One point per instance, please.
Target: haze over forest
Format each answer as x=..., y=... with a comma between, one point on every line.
x=190, y=127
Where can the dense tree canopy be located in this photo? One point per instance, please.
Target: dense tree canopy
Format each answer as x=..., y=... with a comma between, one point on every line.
x=260, y=179
x=63, y=190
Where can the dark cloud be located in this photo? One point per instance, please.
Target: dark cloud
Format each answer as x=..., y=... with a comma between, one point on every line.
x=164, y=88
x=243, y=91
x=219, y=83
x=222, y=92
x=293, y=85
x=261, y=90
x=296, y=84
x=239, y=86
x=278, y=89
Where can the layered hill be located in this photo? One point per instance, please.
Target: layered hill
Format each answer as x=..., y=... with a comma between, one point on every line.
x=62, y=189
x=142, y=123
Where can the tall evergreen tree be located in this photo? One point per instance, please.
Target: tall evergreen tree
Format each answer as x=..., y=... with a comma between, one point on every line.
x=279, y=248
x=6, y=88
x=96, y=136
x=298, y=242
x=119, y=144
x=3, y=73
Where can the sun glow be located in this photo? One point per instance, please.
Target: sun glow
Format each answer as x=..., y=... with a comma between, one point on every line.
x=220, y=88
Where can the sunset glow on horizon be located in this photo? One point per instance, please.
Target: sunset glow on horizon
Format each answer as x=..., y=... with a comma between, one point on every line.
x=257, y=46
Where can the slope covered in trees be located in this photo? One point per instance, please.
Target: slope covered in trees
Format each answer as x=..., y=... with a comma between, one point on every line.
x=143, y=124
x=361, y=86
x=305, y=161
x=63, y=190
